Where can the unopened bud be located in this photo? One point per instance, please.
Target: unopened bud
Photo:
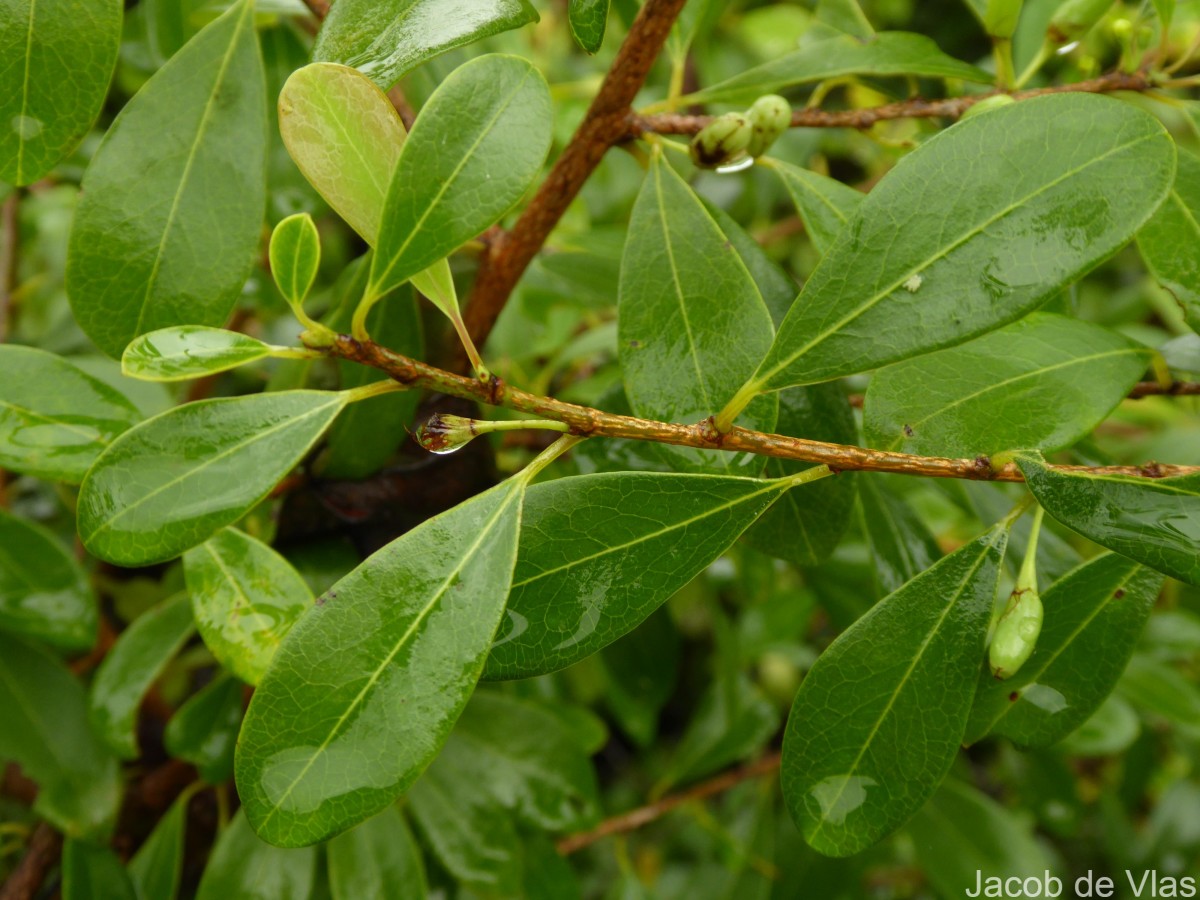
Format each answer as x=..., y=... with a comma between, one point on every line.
x=443, y=433
x=721, y=141
x=1016, y=632
x=770, y=116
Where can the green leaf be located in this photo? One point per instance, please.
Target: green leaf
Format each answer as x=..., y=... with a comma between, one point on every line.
x=194, y=140
x=599, y=553
x=386, y=38
x=203, y=730
x=962, y=834
x=1043, y=383
x=54, y=418
x=691, y=322
x=1161, y=689
x=175, y=480
x=776, y=286
x=476, y=146
x=877, y=721
x=245, y=598
x=245, y=867
x=1112, y=729
x=44, y=593
x=1153, y=520
x=367, y=685
x=46, y=732
x=1170, y=241
x=295, y=254
x=1165, y=10
x=131, y=667
x=901, y=544
x=1046, y=189
x=641, y=670
x=189, y=351
x=807, y=524
x=158, y=865
x=588, y=19
x=887, y=53
x=91, y=872
x=1093, y=618
x=825, y=205
x=847, y=16
x=58, y=59
x=378, y=858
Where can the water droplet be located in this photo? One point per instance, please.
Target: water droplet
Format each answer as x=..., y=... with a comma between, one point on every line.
x=840, y=795
x=1067, y=48
x=738, y=165
x=1045, y=697
x=27, y=127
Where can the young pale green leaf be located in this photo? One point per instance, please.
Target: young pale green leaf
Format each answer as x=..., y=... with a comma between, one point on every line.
x=877, y=721
x=825, y=205
x=131, y=667
x=691, y=322
x=366, y=687
x=193, y=138
x=901, y=543
x=886, y=53
x=189, y=351
x=386, y=38
x=1093, y=618
x=203, y=731
x=599, y=553
x=806, y=525
x=175, y=480
x=44, y=711
x=1170, y=241
x=54, y=418
x=245, y=598
x=156, y=868
x=295, y=255
x=1165, y=10
x=477, y=144
x=241, y=865
x=588, y=19
x=378, y=858
x=1043, y=383
x=93, y=872
x=58, y=59
x=1153, y=520
x=1045, y=190
x=44, y=593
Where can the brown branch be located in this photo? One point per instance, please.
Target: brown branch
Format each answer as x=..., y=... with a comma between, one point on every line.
x=25, y=882
x=635, y=819
x=10, y=238
x=916, y=108
x=604, y=124
x=593, y=422
x=1174, y=389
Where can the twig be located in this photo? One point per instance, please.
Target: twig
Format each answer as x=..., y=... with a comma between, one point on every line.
x=319, y=8
x=26, y=880
x=1174, y=389
x=604, y=124
x=593, y=422
x=10, y=237
x=635, y=819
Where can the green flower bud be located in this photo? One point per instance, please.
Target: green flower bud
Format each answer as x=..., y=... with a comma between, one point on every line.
x=1016, y=632
x=721, y=141
x=987, y=104
x=444, y=433
x=1074, y=19
x=1001, y=16
x=769, y=117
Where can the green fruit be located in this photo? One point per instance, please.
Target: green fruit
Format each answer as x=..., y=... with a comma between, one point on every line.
x=1016, y=633
x=721, y=141
x=1000, y=20
x=769, y=117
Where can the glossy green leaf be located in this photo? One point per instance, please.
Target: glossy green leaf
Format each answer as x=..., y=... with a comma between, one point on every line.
x=131, y=667
x=158, y=865
x=1170, y=241
x=93, y=872
x=194, y=140
x=808, y=523
x=245, y=598
x=962, y=834
x=175, y=480
x=54, y=418
x=245, y=867
x=825, y=205
x=776, y=286
x=1093, y=618
x=204, y=730
x=1161, y=689
x=386, y=38
x=46, y=731
x=189, y=351
x=44, y=593
x=599, y=553
x=588, y=20
x=476, y=146
x=691, y=322
x=58, y=58
x=887, y=53
x=1153, y=520
x=1043, y=383
x=378, y=858
x=877, y=721
x=367, y=685
x=901, y=543
x=1046, y=190
x=295, y=254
